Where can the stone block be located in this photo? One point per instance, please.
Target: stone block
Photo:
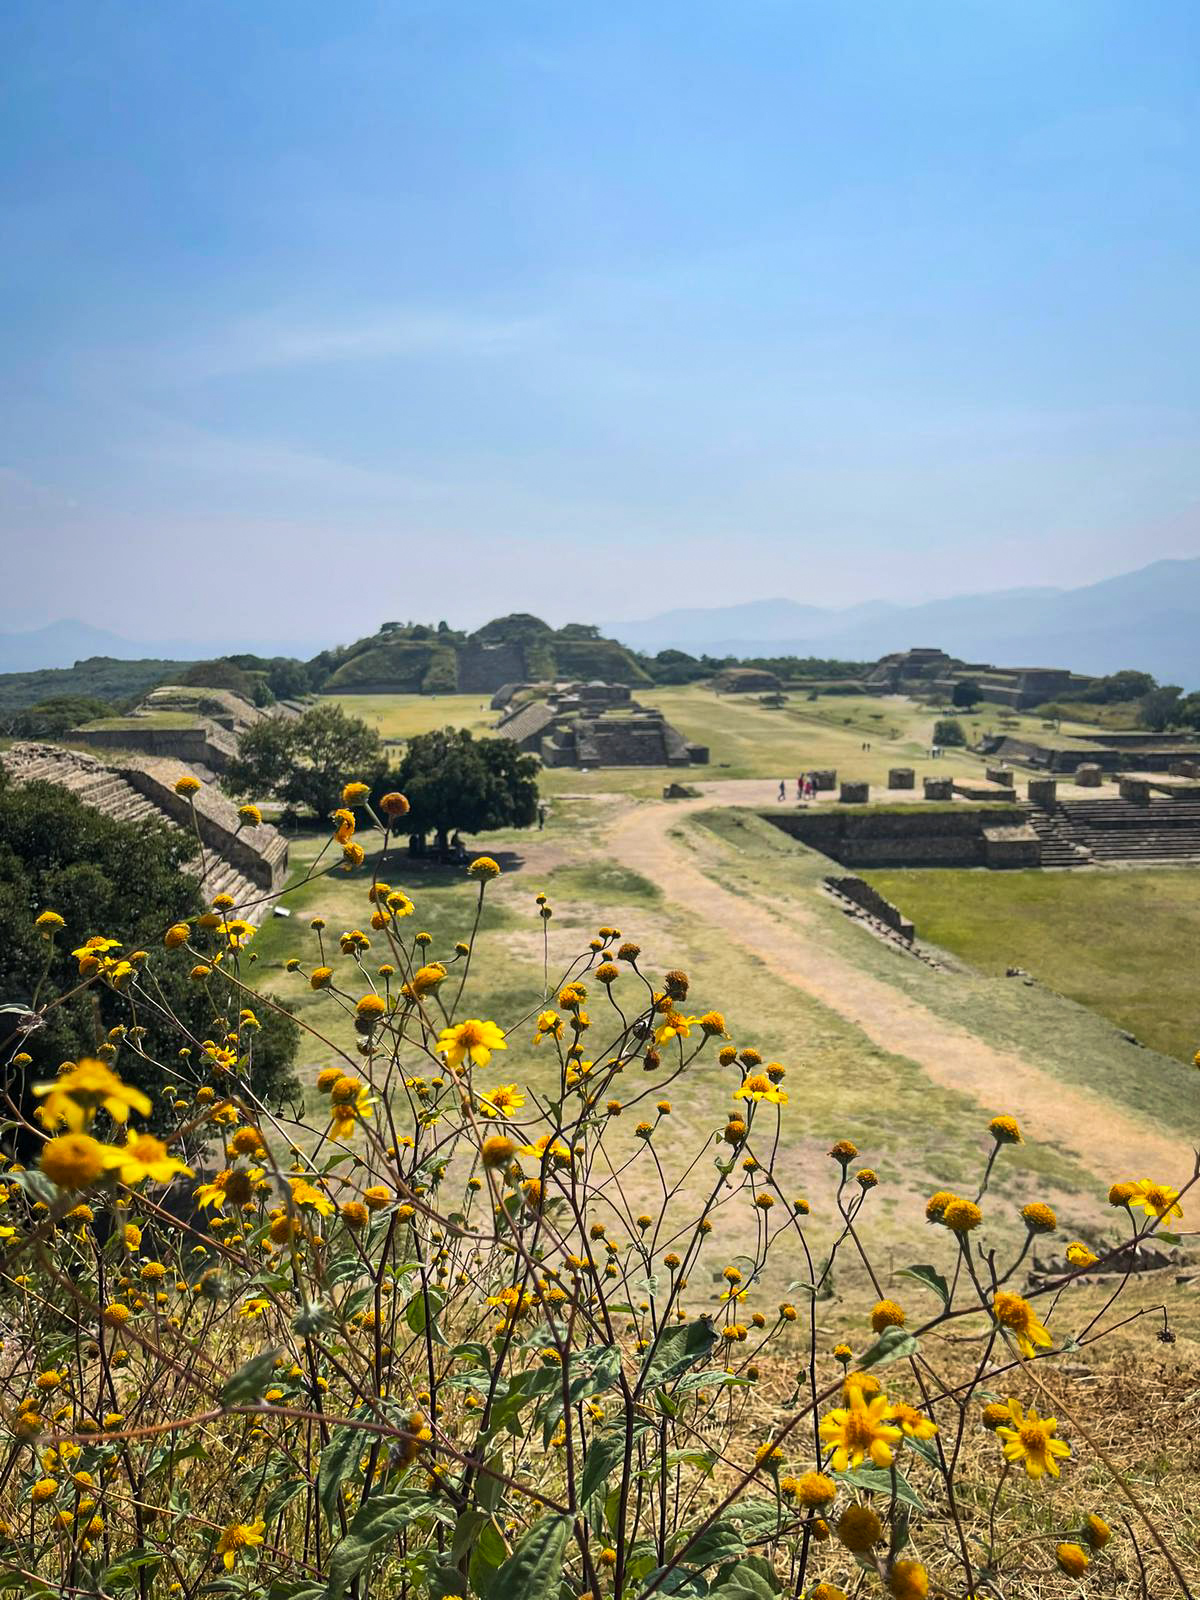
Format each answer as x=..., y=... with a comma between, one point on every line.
x=1011, y=847
x=1088, y=775
x=1002, y=775
x=854, y=794
x=1135, y=790
x=1043, y=792
x=902, y=778
x=825, y=779
x=939, y=788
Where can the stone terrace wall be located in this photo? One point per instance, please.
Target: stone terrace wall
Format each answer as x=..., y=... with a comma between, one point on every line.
x=870, y=899
x=205, y=745
x=261, y=853
x=909, y=836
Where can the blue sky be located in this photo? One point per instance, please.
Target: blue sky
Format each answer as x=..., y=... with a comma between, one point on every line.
x=315, y=314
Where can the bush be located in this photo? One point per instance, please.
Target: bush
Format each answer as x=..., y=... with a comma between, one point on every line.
x=425, y=1343
x=100, y=874
x=300, y=760
x=948, y=731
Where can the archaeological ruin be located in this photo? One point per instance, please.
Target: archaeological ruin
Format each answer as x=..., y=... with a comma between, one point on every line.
x=595, y=725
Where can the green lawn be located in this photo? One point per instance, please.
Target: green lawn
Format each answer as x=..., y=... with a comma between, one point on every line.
x=1121, y=942
x=745, y=739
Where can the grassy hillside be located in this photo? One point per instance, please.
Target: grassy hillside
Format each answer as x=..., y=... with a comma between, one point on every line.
x=102, y=676
x=1113, y=940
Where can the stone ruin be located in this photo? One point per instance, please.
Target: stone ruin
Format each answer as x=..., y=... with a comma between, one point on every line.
x=206, y=741
x=933, y=673
x=597, y=725
x=247, y=863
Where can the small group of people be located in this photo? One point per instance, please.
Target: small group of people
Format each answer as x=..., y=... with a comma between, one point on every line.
x=806, y=786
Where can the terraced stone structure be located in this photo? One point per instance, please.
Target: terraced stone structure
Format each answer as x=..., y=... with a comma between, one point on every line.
x=246, y=863
x=197, y=726
x=598, y=725
x=933, y=673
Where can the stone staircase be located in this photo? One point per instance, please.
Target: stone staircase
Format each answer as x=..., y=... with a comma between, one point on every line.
x=1058, y=850
x=1164, y=831
x=107, y=791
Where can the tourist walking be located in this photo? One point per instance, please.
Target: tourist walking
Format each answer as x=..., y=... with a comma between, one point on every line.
x=783, y=789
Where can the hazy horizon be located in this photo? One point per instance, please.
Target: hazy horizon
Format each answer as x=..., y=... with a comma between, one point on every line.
x=315, y=318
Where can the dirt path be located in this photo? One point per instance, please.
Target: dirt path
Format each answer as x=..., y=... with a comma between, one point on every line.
x=1102, y=1137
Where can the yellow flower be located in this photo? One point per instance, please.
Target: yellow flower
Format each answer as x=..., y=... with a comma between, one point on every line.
x=1072, y=1559
x=497, y=1150
x=501, y=1100
x=1030, y=1439
x=303, y=1194
x=813, y=1490
x=859, y=1527
x=912, y=1424
x=1156, y=1200
x=1079, y=1255
x=355, y=793
x=144, y=1156
x=887, y=1314
x=960, y=1216
x=49, y=922
x=674, y=1026
x=860, y=1429
x=1039, y=1217
x=1096, y=1531
x=471, y=1038
x=483, y=868
x=759, y=1087
x=187, y=785
x=43, y=1489
x=75, y=1096
x=73, y=1160
x=239, y=1536
x=176, y=935
x=250, y=815
x=1019, y=1317
x=908, y=1580
x=1005, y=1130
x=394, y=804
x=236, y=932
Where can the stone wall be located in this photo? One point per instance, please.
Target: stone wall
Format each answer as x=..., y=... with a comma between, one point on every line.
x=1012, y=847
x=870, y=899
x=205, y=745
x=907, y=836
x=260, y=853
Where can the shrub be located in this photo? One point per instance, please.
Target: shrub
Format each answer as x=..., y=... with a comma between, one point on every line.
x=948, y=731
x=429, y=1343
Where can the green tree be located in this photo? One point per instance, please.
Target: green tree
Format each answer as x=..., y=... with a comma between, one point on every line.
x=50, y=719
x=949, y=732
x=304, y=761
x=128, y=881
x=219, y=675
x=1160, y=708
x=453, y=780
x=967, y=693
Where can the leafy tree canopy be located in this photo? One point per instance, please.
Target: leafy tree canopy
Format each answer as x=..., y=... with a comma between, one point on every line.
x=453, y=780
x=304, y=761
x=949, y=731
x=50, y=719
x=1160, y=709
x=126, y=881
x=967, y=692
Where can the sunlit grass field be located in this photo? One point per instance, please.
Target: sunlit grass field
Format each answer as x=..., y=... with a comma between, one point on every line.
x=745, y=738
x=1120, y=941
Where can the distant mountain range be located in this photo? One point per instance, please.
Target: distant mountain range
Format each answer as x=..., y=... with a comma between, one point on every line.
x=62, y=644
x=1148, y=619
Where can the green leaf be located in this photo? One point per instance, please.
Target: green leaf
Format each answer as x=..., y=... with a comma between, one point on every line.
x=415, y=1314
x=722, y=1542
x=678, y=1348
x=35, y=1184
x=878, y=1480
x=535, y=1566
x=748, y=1579
x=339, y=1459
x=282, y=1495
x=123, y=1573
x=893, y=1344
x=383, y=1515
x=251, y=1380
x=931, y=1278
x=926, y=1449
x=603, y=1456
x=711, y=1378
